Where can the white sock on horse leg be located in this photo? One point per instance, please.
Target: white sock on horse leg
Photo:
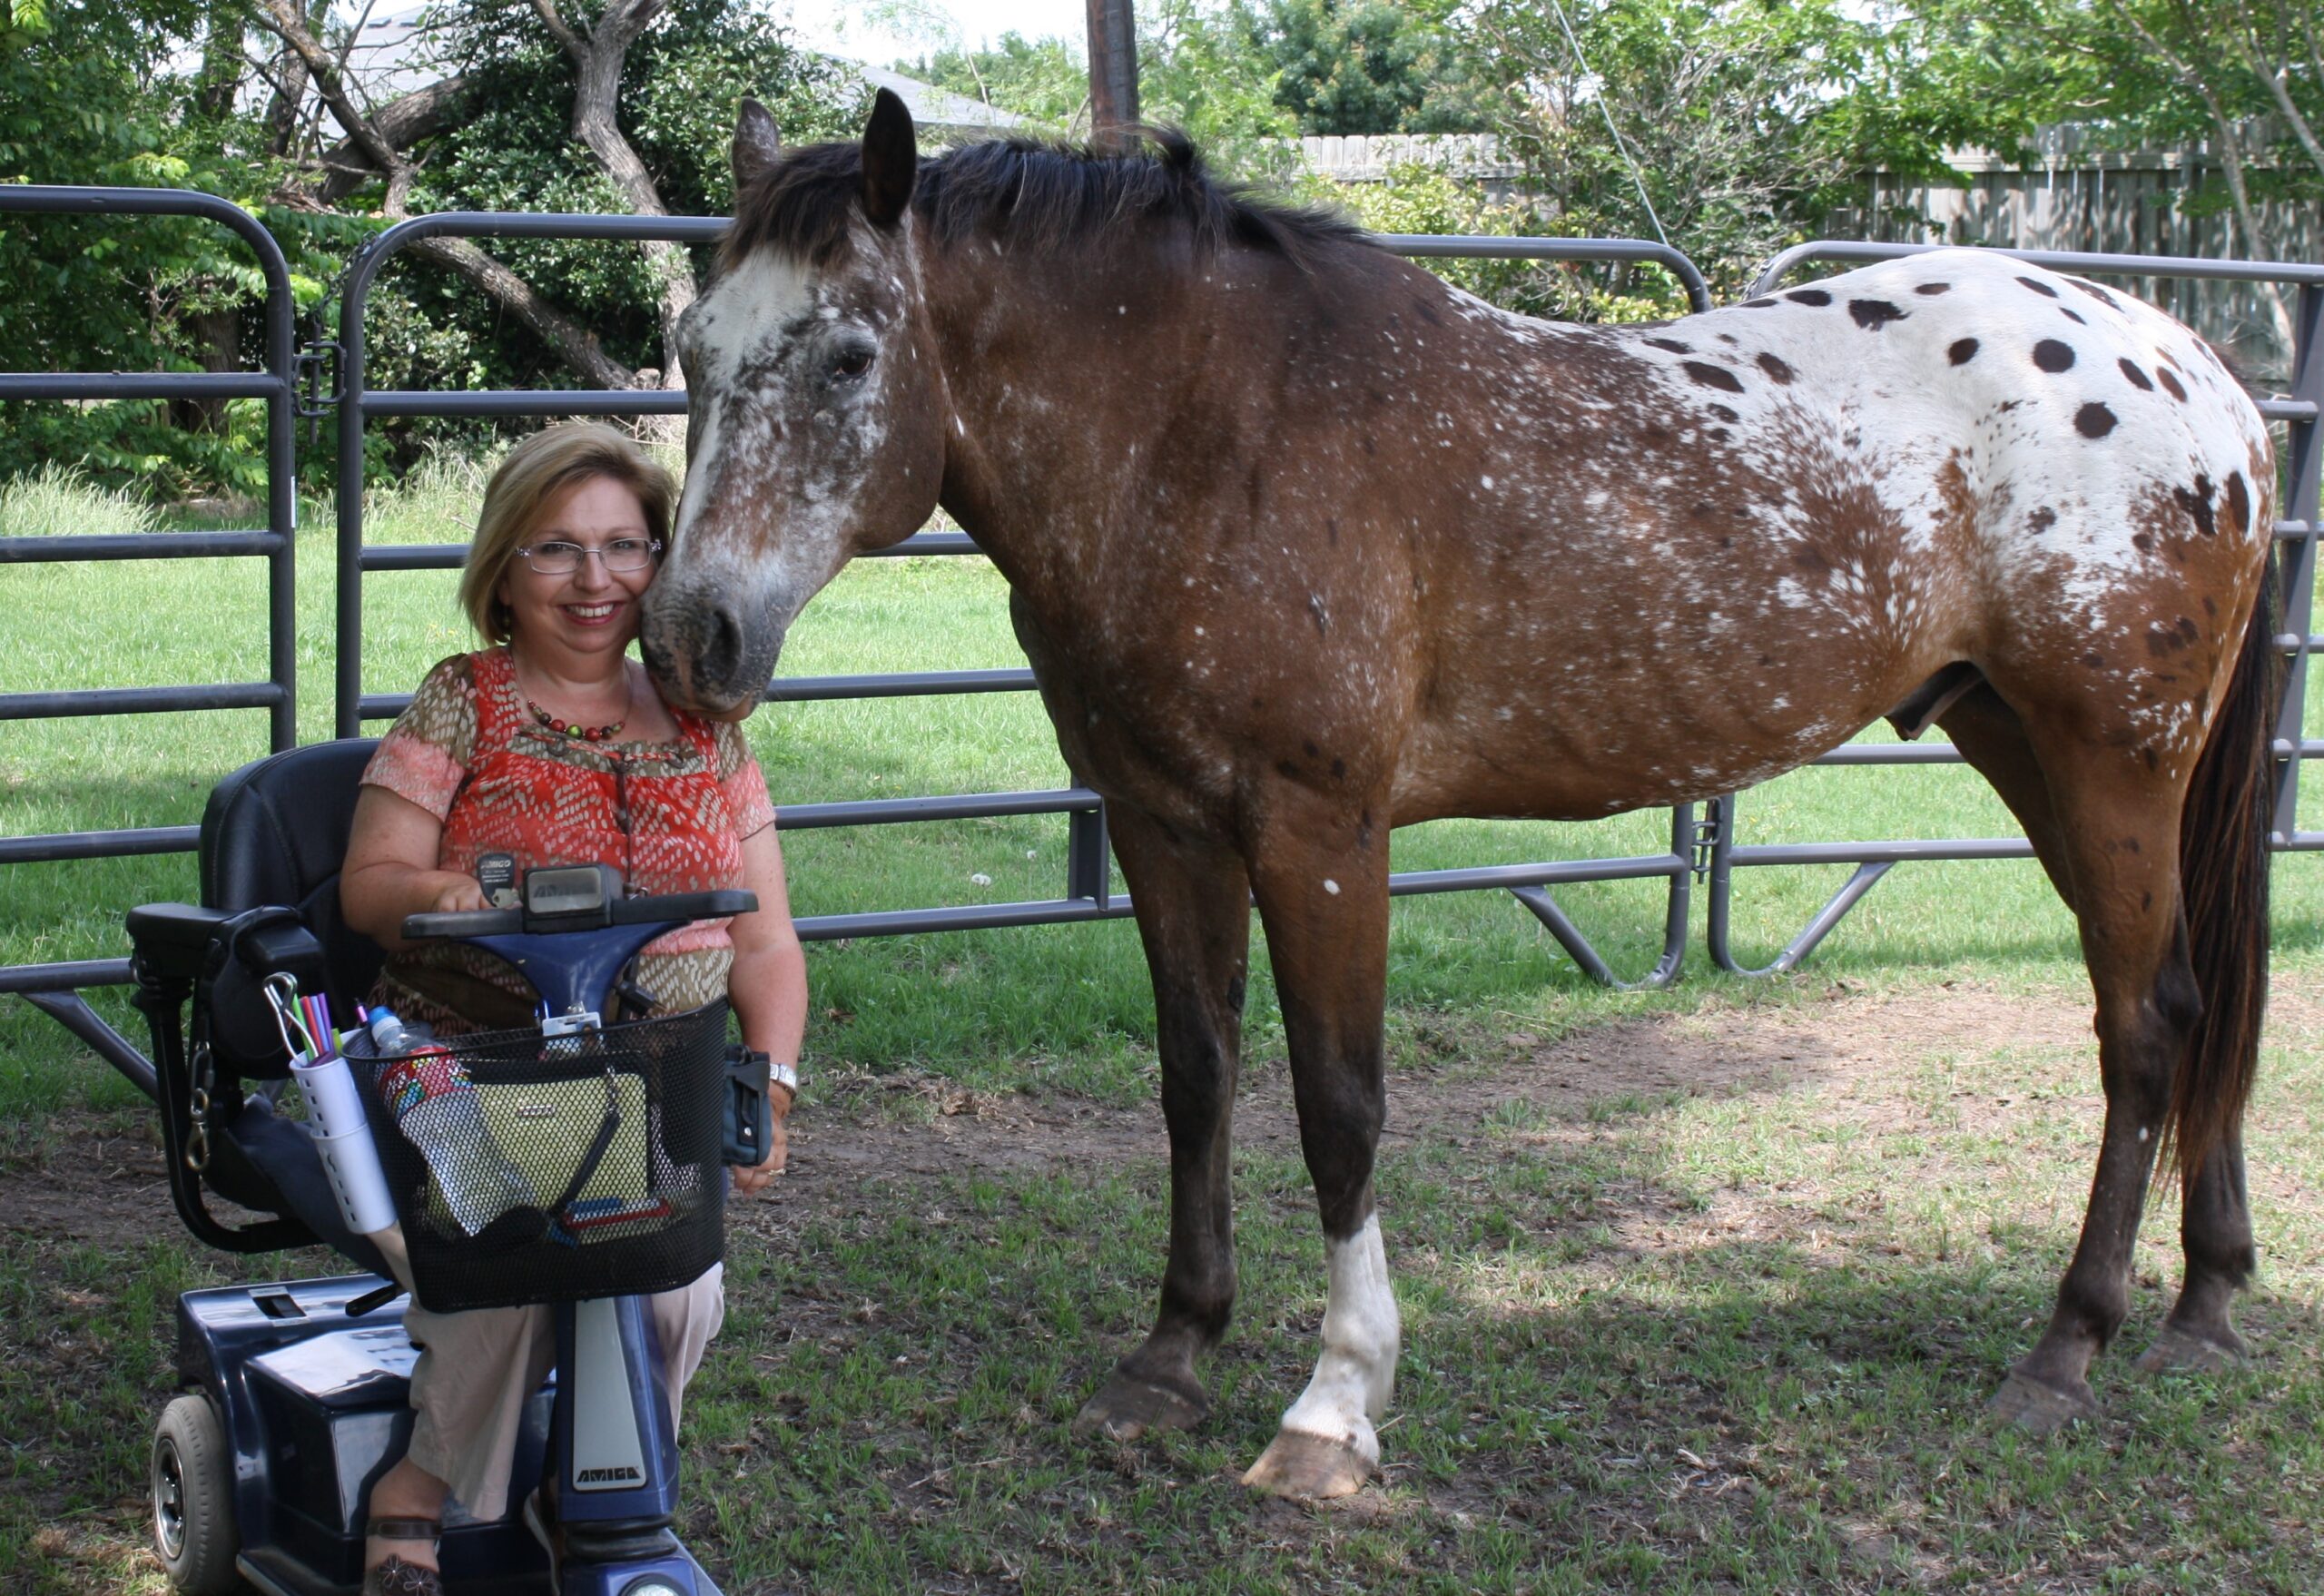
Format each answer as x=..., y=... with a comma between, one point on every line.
x=1362, y=1332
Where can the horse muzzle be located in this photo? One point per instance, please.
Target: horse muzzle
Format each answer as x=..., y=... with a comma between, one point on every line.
x=711, y=645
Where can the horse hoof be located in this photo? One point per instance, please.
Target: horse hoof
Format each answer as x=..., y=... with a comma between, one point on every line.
x=2041, y=1409
x=1309, y=1466
x=1127, y=1408
x=2190, y=1351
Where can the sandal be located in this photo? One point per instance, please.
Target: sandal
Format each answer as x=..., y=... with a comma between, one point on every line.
x=394, y=1576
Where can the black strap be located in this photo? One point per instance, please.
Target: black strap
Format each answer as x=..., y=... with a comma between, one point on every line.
x=606, y=1128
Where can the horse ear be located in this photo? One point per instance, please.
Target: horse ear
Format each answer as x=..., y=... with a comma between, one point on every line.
x=890, y=160
x=756, y=143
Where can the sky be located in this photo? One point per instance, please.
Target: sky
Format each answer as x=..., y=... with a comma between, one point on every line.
x=886, y=30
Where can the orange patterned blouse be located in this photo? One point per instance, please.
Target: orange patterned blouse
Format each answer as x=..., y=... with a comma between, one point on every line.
x=670, y=816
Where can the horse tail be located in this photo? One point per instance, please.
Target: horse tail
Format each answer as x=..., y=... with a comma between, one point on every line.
x=2223, y=881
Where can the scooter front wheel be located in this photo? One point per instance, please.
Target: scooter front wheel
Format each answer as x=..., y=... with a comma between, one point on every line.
x=193, y=1499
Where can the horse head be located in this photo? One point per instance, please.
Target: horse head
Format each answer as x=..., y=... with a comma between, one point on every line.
x=815, y=406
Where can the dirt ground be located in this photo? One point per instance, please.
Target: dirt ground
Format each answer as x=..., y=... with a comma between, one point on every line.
x=99, y=1179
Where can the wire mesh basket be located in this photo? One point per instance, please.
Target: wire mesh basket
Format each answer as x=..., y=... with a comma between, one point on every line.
x=532, y=1170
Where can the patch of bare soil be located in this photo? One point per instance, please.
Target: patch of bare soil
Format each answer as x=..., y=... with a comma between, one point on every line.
x=100, y=1178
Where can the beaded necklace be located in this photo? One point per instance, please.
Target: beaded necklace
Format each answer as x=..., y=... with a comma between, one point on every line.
x=559, y=727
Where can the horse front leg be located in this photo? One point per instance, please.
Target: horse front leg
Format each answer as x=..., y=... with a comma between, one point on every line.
x=1321, y=882
x=1194, y=913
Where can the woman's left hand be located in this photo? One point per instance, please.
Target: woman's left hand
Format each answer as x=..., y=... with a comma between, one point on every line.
x=750, y=1182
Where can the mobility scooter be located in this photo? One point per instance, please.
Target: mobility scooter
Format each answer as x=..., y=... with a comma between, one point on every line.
x=609, y=1143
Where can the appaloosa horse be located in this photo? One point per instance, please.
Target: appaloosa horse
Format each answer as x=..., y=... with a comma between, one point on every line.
x=1305, y=543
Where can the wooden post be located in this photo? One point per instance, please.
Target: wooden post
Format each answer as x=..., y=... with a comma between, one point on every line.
x=1113, y=73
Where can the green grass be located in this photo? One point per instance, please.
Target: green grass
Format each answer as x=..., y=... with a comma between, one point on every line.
x=888, y=1407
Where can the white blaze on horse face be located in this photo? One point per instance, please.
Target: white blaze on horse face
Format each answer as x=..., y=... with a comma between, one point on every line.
x=1361, y=1333
x=763, y=493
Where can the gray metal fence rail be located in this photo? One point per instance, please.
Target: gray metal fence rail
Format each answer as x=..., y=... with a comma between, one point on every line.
x=50, y=986
x=2296, y=533
x=1702, y=850
x=1088, y=892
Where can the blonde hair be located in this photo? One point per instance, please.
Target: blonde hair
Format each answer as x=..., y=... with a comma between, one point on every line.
x=536, y=471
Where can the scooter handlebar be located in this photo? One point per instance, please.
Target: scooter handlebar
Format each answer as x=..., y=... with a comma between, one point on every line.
x=669, y=908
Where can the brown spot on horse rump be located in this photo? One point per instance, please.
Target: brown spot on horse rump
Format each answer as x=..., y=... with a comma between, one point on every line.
x=1427, y=313
x=1672, y=344
x=2152, y=762
x=2071, y=315
x=2054, y=356
x=2146, y=901
x=2210, y=606
x=2162, y=640
x=1711, y=376
x=2138, y=378
x=2096, y=292
x=2094, y=420
x=1756, y=304
x=2198, y=504
x=2171, y=384
x=1339, y=770
x=1310, y=750
x=1963, y=351
x=1776, y=368
x=1812, y=559
x=1723, y=413
x=2187, y=629
x=2042, y=520
x=2044, y=289
x=2143, y=542
x=1808, y=296
x=2239, y=505
x=1370, y=448
x=1872, y=315
x=1934, y=288
x=2095, y=660
x=1331, y=531
x=1286, y=770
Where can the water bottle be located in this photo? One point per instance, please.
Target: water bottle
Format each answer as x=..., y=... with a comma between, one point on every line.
x=435, y=1104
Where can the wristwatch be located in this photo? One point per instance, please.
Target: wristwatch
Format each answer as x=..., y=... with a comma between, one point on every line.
x=783, y=1075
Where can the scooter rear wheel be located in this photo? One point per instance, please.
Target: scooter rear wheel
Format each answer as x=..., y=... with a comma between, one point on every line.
x=193, y=1499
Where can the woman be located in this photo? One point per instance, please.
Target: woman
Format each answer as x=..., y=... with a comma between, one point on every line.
x=553, y=748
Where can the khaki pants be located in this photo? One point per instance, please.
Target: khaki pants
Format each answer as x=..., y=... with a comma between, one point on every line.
x=479, y=1368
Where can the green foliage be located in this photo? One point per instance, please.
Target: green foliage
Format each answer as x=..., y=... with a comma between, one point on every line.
x=1417, y=197
x=1046, y=80
x=1371, y=67
x=1732, y=131
x=144, y=93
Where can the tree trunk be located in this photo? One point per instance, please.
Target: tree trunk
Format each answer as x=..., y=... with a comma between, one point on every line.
x=598, y=61
x=573, y=343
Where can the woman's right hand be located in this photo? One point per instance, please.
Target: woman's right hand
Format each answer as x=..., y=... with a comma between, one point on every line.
x=463, y=896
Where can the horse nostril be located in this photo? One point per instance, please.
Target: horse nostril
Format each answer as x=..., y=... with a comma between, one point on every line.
x=721, y=645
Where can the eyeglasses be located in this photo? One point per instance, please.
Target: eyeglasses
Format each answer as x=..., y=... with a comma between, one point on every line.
x=558, y=557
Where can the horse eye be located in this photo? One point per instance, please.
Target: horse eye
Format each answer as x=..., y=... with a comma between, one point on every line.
x=850, y=363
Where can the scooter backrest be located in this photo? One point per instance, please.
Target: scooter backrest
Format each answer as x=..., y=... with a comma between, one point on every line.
x=275, y=833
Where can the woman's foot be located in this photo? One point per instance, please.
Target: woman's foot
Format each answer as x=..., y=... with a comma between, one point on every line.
x=400, y=1542
x=395, y=1577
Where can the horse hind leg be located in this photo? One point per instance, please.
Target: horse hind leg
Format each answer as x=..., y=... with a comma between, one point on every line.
x=2107, y=831
x=1194, y=913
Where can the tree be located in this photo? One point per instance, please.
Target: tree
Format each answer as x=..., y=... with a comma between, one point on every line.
x=1369, y=66
x=1730, y=130
x=622, y=105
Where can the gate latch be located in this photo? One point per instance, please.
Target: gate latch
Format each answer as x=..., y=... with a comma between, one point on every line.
x=1707, y=831
x=319, y=382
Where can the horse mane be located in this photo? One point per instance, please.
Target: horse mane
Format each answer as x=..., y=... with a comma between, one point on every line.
x=1040, y=194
